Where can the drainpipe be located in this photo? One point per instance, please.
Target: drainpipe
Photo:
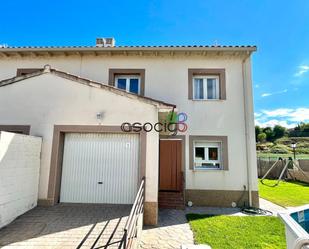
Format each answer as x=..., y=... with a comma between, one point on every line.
x=247, y=129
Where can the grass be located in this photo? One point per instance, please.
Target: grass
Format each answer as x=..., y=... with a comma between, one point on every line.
x=241, y=232
x=273, y=155
x=286, y=194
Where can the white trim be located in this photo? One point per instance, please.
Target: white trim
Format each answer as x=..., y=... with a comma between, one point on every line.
x=128, y=77
x=219, y=161
x=205, y=78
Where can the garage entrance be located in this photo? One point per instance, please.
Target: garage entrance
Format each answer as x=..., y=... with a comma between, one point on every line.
x=100, y=168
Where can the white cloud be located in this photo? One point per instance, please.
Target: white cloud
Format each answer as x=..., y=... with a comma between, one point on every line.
x=301, y=70
x=282, y=116
x=274, y=93
x=273, y=122
x=300, y=114
x=277, y=112
x=256, y=85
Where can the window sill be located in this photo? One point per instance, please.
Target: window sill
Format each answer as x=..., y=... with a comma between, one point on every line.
x=201, y=170
x=211, y=100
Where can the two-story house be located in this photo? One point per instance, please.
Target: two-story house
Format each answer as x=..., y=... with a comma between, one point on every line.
x=103, y=113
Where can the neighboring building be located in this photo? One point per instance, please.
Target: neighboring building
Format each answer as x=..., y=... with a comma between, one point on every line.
x=76, y=106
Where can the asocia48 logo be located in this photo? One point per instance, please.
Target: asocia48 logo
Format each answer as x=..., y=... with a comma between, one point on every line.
x=172, y=124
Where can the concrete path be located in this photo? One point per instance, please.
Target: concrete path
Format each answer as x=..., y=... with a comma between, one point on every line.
x=172, y=231
x=272, y=207
x=66, y=226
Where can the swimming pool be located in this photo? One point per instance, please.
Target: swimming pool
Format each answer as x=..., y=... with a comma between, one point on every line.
x=296, y=222
x=302, y=218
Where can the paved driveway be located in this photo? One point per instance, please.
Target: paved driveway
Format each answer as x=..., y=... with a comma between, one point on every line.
x=171, y=232
x=66, y=226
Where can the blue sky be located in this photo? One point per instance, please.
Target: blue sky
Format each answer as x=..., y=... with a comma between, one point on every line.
x=280, y=29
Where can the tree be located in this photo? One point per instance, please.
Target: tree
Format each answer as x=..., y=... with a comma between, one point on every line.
x=305, y=127
x=258, y=130
x=301, y=130
x=278, y=131
x=269, y=133
x=262, y=137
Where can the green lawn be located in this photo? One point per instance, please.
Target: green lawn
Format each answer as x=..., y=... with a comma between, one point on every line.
x=276, y=156
x=241, y=232
x=286, y=194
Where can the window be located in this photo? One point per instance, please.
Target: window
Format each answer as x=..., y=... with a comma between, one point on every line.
x=130, y=80
x=208, y=152
x=207, y=155
x=206, y=84
x=129, y=83
x=206, y=87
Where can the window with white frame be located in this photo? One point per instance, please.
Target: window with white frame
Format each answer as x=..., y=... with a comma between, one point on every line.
x=129, y=83
x=206, y=87
x=207, y=155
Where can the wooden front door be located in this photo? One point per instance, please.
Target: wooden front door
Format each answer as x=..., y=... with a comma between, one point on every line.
x=170, y=165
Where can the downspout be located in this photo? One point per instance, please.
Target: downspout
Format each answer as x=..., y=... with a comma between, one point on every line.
x=246, y=129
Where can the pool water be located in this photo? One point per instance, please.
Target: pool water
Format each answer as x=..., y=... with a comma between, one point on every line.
x=302, y=218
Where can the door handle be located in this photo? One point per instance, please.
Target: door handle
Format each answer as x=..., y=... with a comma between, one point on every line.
x=100, y=182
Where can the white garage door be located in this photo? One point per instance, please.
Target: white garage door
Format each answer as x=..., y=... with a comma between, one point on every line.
x=100, y=168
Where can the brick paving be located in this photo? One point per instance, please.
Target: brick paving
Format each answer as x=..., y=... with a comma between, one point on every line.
x=79, y=226
x=171, y=232
x=66, y=226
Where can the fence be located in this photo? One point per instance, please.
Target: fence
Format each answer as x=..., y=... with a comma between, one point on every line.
x=264, y=164
x=134, y=224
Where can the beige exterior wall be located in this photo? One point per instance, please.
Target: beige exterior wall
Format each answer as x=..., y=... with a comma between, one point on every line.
x=48, y=100
x=166, y=79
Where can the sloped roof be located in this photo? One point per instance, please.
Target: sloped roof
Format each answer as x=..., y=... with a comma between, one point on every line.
x=6, y=51
x=88, y=82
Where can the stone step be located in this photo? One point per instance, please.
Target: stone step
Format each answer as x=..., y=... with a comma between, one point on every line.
x=171, y=206
x=171, y=200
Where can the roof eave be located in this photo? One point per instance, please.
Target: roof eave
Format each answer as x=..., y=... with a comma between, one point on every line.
x=121, y=49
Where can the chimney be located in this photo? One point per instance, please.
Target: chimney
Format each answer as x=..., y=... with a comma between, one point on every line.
x=105, y=42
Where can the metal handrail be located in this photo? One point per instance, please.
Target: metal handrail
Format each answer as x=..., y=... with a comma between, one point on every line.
x=132, y=225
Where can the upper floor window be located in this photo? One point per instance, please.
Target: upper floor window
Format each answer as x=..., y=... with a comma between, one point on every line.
x=129, y=83
x=206, y=87
x=207, y=84
x=130, y=80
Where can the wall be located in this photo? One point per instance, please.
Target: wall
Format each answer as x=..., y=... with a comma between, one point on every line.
x=166, y=79
x=19, y=174
x=48, y=100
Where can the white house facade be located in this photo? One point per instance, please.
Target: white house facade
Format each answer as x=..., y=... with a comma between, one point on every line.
x=77, y=98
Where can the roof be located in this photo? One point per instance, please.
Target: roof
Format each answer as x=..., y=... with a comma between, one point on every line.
x=250, y=47
x=139, y=50
x=88, y=82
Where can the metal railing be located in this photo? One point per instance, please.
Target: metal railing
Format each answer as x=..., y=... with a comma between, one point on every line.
x=134, y=224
